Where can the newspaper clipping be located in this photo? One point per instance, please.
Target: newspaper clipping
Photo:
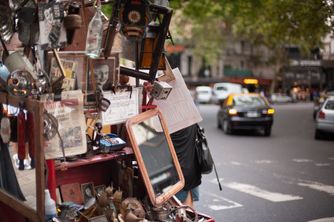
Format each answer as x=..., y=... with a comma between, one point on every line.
x=71, y=126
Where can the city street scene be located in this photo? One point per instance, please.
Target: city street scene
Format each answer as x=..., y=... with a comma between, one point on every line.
x=166, y=111
x=285, y=177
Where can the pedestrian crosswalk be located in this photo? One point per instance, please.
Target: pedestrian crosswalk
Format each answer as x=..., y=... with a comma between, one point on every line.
x=318, y=186
x=297, y=186
x=261, y=193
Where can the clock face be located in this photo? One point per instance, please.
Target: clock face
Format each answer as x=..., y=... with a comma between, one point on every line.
x=134, y=16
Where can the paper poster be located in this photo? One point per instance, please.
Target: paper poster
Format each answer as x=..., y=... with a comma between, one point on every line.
x=179, y=109
x=71, y=126
x=123, y=105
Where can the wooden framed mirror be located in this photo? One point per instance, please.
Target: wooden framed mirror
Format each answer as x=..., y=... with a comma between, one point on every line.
x=30, y=181
x=155, y=155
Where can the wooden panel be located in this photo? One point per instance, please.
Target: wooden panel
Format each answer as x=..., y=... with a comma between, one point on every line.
x=7, y=201
x=99, y=173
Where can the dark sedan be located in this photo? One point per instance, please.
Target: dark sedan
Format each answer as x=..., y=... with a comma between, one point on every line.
x=245, y=111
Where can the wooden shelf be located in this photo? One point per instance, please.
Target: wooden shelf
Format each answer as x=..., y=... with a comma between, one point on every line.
x=95, y=159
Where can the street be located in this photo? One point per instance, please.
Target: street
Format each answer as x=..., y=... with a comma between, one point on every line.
x=286, y=177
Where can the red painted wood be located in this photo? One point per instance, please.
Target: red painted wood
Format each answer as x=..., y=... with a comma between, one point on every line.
x=8, y=214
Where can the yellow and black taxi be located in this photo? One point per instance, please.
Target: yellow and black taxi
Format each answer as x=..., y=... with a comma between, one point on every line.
x=245, y=111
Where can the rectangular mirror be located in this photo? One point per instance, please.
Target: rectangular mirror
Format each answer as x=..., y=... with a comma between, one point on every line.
x=155, y=155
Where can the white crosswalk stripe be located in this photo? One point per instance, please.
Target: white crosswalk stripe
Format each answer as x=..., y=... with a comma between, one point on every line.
x=327, y=219
x=221, y=203
x=258, y=192
x=318, y=186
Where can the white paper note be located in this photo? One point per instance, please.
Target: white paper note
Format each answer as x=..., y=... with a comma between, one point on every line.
x=179, y=109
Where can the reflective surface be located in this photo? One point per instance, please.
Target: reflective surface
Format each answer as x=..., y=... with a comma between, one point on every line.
x=20, y=184
x=156, y=154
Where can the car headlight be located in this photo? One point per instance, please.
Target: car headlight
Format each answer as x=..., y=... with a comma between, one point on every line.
x=232, y=111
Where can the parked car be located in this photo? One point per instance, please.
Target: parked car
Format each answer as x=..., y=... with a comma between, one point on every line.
x=245, y=111
x=203, y=94
x=220, y=91
x=280, y=98
x=318, y=102
x=325, y=118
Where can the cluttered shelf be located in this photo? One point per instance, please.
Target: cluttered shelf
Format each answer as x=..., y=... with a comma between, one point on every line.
x=95, y=159
x=99, y=168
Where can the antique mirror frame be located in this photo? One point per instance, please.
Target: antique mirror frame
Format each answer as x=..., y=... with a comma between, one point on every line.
x=32, y=214
x=160, y=198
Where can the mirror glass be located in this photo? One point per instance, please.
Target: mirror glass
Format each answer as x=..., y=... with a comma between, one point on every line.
x=156, y=156
x=17, y=176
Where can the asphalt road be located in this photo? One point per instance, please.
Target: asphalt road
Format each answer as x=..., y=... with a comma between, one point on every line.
x=286, y=177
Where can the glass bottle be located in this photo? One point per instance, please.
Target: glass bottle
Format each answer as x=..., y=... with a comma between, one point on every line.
x=94, y=34
x=50, y=206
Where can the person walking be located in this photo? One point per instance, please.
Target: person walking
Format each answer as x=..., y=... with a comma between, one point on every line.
x=184, y=145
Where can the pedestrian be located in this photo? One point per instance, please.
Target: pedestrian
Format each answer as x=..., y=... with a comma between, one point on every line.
x=184, y=145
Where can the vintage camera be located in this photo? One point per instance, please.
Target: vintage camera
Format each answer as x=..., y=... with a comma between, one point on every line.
x=161, y=90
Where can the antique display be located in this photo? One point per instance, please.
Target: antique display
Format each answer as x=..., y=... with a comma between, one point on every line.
x=78, y=141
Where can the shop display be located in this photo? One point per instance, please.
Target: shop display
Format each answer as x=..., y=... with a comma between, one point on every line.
x=86, y=147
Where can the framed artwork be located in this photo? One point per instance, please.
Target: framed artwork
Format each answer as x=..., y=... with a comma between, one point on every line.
x=105, y=73
x=87, y=190
x=75, y=68
x=71, y=192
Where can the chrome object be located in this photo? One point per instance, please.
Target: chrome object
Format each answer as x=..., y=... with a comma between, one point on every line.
x=18, y=61
x=20, y=83
x=4, y=73
x=50, y=126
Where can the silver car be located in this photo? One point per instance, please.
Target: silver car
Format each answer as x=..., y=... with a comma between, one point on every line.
x=325, y=118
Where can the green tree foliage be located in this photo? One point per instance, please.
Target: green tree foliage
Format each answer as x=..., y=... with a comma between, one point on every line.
x=274, y=23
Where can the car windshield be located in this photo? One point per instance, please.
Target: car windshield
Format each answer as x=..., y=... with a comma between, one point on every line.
x=204, y=92
x=222, y=88
x=248, y=100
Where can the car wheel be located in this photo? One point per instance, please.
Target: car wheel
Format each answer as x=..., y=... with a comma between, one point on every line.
x=226, y=127
x=219, y=124
x=267, y=131
x=318, y=135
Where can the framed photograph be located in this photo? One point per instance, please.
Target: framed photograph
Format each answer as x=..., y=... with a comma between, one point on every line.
x=99, y=189
x=71, y=192
x=75, y=67
x=105, y=73
x=87, y=190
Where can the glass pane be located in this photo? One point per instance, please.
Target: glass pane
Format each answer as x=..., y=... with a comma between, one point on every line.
x=156, y=155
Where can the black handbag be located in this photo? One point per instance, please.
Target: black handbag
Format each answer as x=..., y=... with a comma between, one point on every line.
x=204, y=156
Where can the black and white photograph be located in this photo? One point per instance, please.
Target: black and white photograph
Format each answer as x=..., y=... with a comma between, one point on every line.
x=88, y=192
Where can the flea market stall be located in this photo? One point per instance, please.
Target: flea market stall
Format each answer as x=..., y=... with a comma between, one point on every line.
x=81, y=138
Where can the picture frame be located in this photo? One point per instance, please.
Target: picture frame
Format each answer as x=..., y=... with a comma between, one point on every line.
x=87, y=190
x=100, y=188
x=75, y=67
x=71, y=192
x=106, y=73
